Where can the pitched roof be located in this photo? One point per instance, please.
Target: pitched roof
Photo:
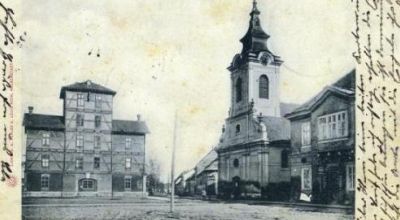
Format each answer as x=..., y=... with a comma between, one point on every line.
x=86, y=86
x=43, y=122
x=345, y=86
x=184, y=176
x=206, y=161
x=278, y=128
x=213, y=166
x=287, y=108
x=129, y=127
x=56, y=123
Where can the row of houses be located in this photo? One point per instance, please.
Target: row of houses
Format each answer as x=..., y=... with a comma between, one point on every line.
x=202, y=179
x=276, y=150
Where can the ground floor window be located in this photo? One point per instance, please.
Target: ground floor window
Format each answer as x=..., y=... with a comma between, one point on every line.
x=87, y=185
x=128, y=183
x=306, y=178
x=350, y=177
x=44, y=181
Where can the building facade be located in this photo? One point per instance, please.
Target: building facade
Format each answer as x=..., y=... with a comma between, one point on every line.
x=84, y=152
x=255, y=142
x=322, y=145
x=206, y=175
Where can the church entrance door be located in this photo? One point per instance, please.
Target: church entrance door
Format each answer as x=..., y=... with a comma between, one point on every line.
x=236, y=187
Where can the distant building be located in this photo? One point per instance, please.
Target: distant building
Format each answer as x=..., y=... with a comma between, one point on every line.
x=322, y=146
x=254, y=147
x=84, y=152
x=206, y=174
x=202, y=178
x=181, y=186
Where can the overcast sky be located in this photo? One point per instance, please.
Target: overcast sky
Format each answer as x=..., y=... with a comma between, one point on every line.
x=162, y=55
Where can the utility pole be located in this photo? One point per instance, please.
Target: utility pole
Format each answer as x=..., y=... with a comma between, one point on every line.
x=173, y=167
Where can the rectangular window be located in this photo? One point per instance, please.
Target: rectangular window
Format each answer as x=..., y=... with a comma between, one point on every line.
x=45, y=139
x=97, y=121
x=81, y=100
x=98, y=101
x=97, y=141
x=45, y=160
x=44, y=181
x=79, y=163
x=79, y=141
x=333, y=126
x=128, y=144
x=80, y=120
x=96, y=163
x=128, y=183
x=306, y=178
x=128, y=163
x=305, y=134
x=350, y=176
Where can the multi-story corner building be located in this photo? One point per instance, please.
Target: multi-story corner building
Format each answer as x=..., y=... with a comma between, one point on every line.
x=84, y=152
x=322, y=144
x=254, y=147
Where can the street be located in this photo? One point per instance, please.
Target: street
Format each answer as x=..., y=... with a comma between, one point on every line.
x=158, y=208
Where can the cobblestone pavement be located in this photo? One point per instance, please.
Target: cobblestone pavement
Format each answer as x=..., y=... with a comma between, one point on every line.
x=159, y=209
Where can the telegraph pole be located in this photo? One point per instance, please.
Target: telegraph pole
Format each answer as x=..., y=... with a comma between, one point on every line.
x=173, y=168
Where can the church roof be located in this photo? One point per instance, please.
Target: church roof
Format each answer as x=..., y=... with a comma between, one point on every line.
x=255, y=38
x=86, y=86
x=278, y=128
x=345, y=86
x=254, y=43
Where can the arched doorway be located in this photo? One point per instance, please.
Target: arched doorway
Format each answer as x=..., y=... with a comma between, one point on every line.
x=236, y=187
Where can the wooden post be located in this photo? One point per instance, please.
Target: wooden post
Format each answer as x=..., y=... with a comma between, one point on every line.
x=144, y=179
x=173, y=168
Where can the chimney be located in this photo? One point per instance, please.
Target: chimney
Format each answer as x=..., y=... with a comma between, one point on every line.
x=138, y=117
x=30, y=109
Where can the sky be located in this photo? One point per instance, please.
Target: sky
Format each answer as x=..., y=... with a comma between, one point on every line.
x=167, y=56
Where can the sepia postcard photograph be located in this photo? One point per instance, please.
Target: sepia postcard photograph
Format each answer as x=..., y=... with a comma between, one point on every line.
x=200, y=109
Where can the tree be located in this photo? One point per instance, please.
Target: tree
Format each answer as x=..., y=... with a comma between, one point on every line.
x=153, y=177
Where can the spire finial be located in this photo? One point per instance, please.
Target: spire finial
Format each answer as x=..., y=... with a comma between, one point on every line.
x=255, y=9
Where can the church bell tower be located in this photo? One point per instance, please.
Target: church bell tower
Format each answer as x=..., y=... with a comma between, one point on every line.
x=255, y=73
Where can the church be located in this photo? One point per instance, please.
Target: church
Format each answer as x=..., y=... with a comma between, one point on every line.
x=253, y=152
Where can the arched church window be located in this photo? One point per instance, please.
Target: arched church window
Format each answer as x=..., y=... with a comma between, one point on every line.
x=264, y=87
x=239, y=85
x=284, y=159
x=236, y=163
x=237, y=129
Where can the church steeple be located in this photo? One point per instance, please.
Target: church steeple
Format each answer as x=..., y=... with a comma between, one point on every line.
x=255, y=40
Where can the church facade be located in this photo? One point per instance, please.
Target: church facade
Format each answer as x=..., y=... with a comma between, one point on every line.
x=84, y=152
x=255, y=142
